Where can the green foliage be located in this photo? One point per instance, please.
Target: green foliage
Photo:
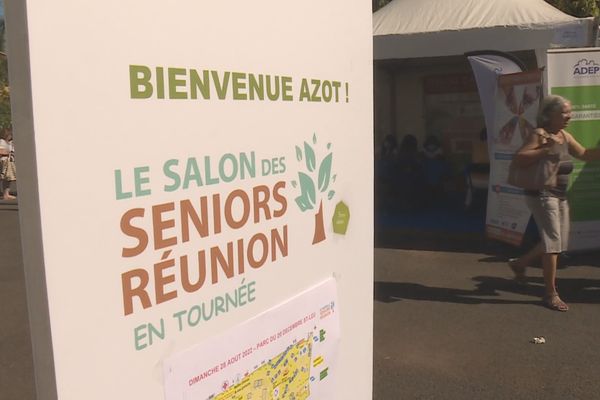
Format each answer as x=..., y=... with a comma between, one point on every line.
x=377, y=4
x=577, y=8
x=5, y=119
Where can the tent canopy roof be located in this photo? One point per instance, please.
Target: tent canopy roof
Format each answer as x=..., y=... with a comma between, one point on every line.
x=445, y=27
x=409, y=16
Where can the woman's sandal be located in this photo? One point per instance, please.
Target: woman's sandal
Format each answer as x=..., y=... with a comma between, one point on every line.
x=518, y=270
x=554, y=302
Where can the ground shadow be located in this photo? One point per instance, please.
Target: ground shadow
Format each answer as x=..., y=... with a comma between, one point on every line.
x=576, y=290
x=589, y=258
x=487, y=289
x=390, y=292
x=448, y=240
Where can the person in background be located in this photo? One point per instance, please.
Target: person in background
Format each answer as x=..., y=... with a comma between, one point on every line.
x=549, y=206
x=389, y=147
x=477, y=173
x=435, y=170
x=385, y=173
x=8, y=170
x=386, y=160
x=411, y=176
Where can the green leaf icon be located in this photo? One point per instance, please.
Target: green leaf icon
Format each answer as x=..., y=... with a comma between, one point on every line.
x=307, y=188
x=314, y=138
x=294, y=184
x=302, y=203
x=330, y=194
x=298, y=153
x=310, y=157
x=329, y=146
x=325, y=172
x=333, y=178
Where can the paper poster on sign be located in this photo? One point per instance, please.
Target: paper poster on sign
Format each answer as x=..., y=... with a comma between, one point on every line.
x=517, y=102
x=182, y=178
x=575, y=75
x=287, y=352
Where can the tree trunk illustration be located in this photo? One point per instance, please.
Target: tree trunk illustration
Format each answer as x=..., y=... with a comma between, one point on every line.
x=319, y=235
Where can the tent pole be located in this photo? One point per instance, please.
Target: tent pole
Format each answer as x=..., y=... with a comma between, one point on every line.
x=393, y=120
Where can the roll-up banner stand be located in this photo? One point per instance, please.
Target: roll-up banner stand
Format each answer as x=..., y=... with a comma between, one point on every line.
x=575, y=74
x=509, y=99
x=517, y=100
x=195, y=194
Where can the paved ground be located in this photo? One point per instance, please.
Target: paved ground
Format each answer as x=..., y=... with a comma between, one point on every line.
x=455, y=326
x=448, y=325
x=16, y=365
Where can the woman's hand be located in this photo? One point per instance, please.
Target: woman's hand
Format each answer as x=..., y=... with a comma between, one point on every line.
x=537, y=145
x=580, y=152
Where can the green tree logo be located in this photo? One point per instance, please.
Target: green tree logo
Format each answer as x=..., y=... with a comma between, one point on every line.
x=312, y=190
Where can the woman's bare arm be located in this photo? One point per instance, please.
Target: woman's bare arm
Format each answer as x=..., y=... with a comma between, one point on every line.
x=580, y=152
x=535, y=147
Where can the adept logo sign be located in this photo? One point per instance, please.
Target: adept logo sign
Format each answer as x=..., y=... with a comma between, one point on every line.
x=586, y=68
x=312, y=190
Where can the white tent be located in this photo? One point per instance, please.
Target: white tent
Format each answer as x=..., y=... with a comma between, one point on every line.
x=427, y=28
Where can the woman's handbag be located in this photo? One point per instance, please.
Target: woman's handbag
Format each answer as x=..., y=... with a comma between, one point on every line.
x=537, y=176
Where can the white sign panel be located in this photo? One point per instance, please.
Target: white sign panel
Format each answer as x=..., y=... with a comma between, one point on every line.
x=184, y=168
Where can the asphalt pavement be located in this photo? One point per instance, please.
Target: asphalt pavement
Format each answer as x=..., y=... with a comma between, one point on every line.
x=454, y=325
x=448, y=324
x=16, y=364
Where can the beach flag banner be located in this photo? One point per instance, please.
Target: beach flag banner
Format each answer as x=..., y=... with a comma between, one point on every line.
x=509, y=98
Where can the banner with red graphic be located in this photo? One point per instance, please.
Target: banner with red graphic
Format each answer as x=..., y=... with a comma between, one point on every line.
x=517, y=100
x=509, y=98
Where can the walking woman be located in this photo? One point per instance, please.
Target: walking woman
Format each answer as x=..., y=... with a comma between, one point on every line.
x=549, y=206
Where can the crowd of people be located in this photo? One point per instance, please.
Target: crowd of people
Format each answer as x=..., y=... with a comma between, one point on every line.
x=8, y=169
x=407, y=177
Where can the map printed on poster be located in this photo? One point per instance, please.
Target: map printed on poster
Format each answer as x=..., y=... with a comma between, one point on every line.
x=286, y=353
x=517, y=102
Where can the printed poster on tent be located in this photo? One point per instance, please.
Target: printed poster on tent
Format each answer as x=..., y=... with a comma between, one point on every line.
x=517, y=100
x=575, y=74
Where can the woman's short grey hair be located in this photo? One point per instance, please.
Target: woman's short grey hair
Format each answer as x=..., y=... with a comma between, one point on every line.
x=549, y=105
